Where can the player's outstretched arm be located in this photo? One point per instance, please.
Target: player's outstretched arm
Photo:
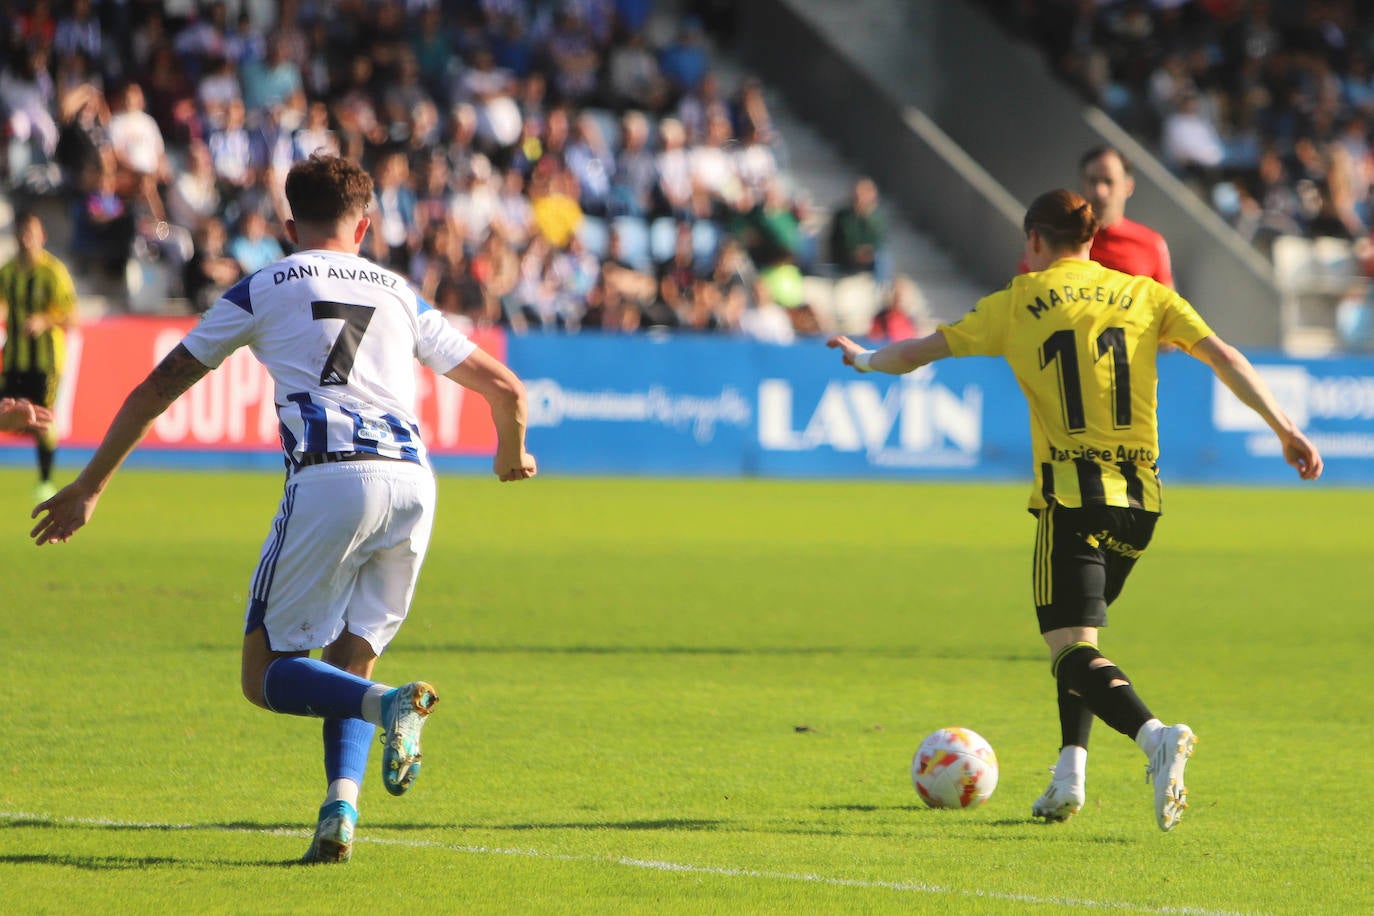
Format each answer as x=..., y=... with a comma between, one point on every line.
x=896, y=358
x=74, y=504
x=505, y=394
x=1236, y=373
x=19, y=415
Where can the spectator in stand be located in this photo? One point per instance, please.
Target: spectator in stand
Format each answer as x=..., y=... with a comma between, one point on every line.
x=244, y=44
x=770, y=231
x=232, y=152
x=636, y=172
x=217, y=88
x=434, y=54
x=632, y=78
x=27, y=94
x=685, y=62
x=674, y=191
x=210, y=270
x=171, y=98
x=395, y=238
x=490, y=91
x=576, y=61
x=628, y=289
x=315, y=134
x=858, y=232
x=553, y=199
x=254, y=247
x=271, y=81
x=591, y=162
x=497, y=269
x=201, y=36
x=105, y=228
x=83, y=143
x=194, y=194
x=897, y=314
x=713, y=168
x=750, y=113
x=1191, y=143
x=677, y=279
x=78, y=31
x=476, y=206
x=139, y=150
x=765, y=320
x=514, y=215
x=696, y=108
x=755, y=164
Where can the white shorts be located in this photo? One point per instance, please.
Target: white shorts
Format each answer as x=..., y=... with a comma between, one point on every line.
x=345, y=552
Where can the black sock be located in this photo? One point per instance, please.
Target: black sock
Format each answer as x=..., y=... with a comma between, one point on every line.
x=46, y=454
x=1075, y=719
x=1118, y=706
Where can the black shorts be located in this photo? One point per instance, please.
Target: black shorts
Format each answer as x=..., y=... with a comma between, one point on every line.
x=1082, y=559
x=38, y=387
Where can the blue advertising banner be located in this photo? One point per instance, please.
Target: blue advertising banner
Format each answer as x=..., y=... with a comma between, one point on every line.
x=637, y=405
x=718, y=406
x=1206, y=434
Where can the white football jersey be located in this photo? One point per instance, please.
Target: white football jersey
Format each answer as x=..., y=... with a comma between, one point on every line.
x=339, y=336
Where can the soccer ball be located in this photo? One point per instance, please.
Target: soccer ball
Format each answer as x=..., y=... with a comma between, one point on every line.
x=954, y=768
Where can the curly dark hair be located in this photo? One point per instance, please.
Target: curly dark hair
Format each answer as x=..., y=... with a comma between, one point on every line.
x=326, y=188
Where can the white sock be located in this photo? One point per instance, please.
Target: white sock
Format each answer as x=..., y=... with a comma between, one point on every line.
x=1073, y=763
x=1149, y=736
x=342, y=790
x=372, y=703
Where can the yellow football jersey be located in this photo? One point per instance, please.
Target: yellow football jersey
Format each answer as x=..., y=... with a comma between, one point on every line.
x=45, y=288
x=1082, y=340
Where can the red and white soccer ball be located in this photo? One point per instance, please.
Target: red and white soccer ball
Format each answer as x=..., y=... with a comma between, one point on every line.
x=954, y=768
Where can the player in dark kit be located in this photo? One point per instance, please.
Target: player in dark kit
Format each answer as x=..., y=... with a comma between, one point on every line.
x=1082, y=342
x=40, y=303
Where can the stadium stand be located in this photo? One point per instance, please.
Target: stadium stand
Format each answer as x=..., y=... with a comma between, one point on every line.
x=535, y=160
x=1263, y=108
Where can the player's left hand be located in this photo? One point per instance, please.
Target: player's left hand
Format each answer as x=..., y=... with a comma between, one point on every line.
x=66, y=512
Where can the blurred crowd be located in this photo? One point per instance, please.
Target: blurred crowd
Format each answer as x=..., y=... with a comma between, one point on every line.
x=539, y=164
x=1265, y=107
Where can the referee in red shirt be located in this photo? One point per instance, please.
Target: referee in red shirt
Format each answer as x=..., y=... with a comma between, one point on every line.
x=1121, y=244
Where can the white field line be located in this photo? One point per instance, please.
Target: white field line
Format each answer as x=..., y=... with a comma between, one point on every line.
x=914, y=887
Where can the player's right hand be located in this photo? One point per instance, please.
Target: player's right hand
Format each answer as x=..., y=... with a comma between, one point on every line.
x=63, y=515
x=848, y=348
x=521, y=468
x=20, y=415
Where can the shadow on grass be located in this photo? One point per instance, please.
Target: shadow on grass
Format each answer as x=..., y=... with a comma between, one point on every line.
x=726, y=651
x=665, y=824
x=134, y=863
x=79, y=824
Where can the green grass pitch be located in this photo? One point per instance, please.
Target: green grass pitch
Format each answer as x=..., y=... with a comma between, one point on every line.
x=692, y=696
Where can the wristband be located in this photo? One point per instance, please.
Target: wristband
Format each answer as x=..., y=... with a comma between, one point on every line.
x=863, y=361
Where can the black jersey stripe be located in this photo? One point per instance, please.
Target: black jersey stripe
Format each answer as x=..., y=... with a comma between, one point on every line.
x=1090, y=488
x=1135, y=487
x=1046, y=481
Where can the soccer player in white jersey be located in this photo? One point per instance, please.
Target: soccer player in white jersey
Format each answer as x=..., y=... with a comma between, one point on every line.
x=339, y=336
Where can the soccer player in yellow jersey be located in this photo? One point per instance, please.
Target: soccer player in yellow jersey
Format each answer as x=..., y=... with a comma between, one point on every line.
x=40, y=303
x=1082, y=341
